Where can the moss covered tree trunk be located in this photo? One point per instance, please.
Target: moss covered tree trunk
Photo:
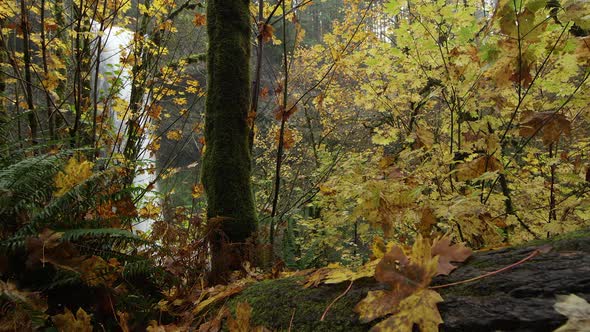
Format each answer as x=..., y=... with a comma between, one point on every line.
x=226, y=163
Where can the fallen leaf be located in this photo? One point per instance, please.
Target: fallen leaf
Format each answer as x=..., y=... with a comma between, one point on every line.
x=218, y=293
x=576, y=309
x=242, y=321
x=335, y=274
x=448, y=253
x=419, y=309
x=406, y=276
x=67, y=322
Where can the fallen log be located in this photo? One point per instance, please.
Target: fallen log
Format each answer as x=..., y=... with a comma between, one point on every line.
x=519, y=299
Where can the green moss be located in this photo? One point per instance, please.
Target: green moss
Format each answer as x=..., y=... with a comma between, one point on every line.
x=558, y=242
x=274, y=302
x=226, y=162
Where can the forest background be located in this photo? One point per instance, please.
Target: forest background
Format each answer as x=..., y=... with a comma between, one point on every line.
x=375, y=125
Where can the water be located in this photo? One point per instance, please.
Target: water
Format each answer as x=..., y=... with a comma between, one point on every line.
x=114, y=92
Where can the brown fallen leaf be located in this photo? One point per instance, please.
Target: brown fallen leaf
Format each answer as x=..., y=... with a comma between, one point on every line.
x=576, y=309
x=406, y=276
x=448, y=253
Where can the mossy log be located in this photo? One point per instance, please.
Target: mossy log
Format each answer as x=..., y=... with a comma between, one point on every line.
x=519, y=299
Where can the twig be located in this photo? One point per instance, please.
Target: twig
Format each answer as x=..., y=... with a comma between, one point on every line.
x=529, y=257
x=334, y=301
x=291, y=321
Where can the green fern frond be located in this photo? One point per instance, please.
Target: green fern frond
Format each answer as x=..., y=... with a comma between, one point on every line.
x=73, y=235
x=11, y=245
x=143, y=268
x=25, y=183
x=61, y=212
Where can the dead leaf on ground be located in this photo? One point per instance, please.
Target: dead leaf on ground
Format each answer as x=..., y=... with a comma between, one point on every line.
x=448, y=253
x=418, y=309
x=408, y=277
x=335, y=274
x=576, y=309
x=67, y=322
x=218, y=293
x=242, y=321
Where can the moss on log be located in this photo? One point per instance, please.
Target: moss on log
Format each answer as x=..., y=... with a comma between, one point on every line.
x=520, y=299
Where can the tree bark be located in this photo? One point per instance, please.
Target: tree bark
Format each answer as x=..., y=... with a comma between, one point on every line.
x=226, y=161
x=519, y=299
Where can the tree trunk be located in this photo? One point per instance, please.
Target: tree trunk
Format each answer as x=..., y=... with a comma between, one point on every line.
x=226, y=162
x=519, y=299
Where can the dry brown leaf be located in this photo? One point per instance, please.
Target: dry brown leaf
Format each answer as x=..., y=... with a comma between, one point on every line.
x=213, y=325
x=408, y=278
x=199, y=20
x=472, y=169
x=550, y=124
x=288, y=139
x=123, y=321
x=48, y=248
x=427, y=221
x=219, y=293
x=266, y=32
x=282, y=113
x=448, y=253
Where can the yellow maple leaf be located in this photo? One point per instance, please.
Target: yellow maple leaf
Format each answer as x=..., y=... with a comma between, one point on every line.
x=73, y=174
x=174, y=135
x=242, y=321
x=66, y=322
x=407, y=277
x=335, y=274
x=96, y=271
x=197, y=191
x=418, y=308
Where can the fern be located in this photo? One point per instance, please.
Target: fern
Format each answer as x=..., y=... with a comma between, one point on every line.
x=62, y=211
x=81, y=233
x=24, y=184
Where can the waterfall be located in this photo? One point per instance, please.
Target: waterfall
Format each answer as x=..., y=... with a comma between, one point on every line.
x=114, y=45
